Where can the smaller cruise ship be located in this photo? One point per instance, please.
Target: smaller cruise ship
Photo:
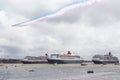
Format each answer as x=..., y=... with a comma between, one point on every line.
x=105, y=59
x=65, y=59
x=34, y=60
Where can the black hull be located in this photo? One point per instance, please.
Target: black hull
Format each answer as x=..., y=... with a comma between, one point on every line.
x=53, y=61
x=105, y=62
x=10, y=61
x=34, y=62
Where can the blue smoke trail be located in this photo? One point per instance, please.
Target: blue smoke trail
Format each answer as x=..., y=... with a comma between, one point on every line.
x=52, y=14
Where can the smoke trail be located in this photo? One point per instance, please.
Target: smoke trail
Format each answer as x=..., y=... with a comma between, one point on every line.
x=58, y=12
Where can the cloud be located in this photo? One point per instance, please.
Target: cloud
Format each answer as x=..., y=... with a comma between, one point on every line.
x=98, y=14
x=12, y=51
x=85, y=31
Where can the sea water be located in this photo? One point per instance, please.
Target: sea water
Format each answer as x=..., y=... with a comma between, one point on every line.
x=57, y=72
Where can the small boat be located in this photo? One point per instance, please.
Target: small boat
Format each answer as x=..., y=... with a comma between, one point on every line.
x=65, y=59
x=105, y=59
x=34, y=60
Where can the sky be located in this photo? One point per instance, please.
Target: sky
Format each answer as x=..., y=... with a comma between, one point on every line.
x=83, y=30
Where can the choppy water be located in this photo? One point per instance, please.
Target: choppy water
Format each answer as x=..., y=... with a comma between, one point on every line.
x=60, y=73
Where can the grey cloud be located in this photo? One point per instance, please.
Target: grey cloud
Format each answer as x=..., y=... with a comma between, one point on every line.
x=68, y=17
x=102, y=14
x=11, y=49
x=3, y=4
x=95, y=15
x=86, y=30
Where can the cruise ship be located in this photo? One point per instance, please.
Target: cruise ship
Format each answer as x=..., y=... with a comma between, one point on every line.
x=65, y=59
x=105, y=59
x=34, y=60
